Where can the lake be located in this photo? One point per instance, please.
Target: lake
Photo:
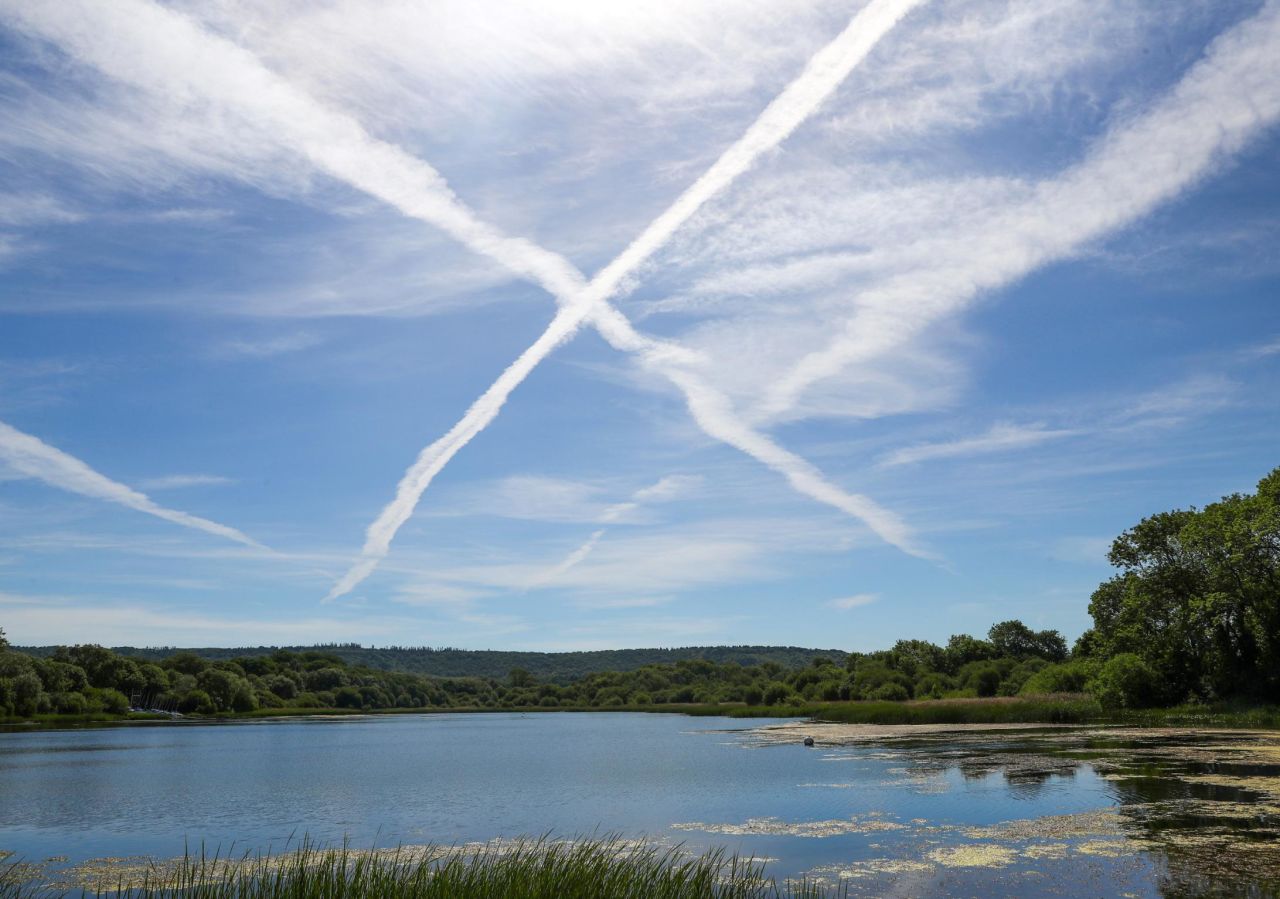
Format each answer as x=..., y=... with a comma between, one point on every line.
x=893, y=810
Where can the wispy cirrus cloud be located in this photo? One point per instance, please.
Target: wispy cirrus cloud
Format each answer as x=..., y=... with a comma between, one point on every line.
x=1223, y=101
x=268, y=347
x=857, y=601
x=1000, y=437
x=181, y=481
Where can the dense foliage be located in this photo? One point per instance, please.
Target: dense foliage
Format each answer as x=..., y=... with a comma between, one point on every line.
x=1195, y=609
x=560, y=667
x=94, y=680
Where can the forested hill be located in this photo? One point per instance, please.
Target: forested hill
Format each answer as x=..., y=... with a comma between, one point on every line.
x=559, y=667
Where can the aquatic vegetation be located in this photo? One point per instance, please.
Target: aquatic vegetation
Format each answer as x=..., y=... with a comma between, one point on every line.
x=777, y=827
x=531, y=869
x=974, y=855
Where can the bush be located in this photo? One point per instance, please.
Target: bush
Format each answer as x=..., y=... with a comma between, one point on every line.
x=1125, y=682
x=933, y=686
x=983, y=678
x=26, y=690
x=1069, y=677
x=890, y=692
x=195, y=701
x=775, y=694
x=70, y=704
x=113, y=702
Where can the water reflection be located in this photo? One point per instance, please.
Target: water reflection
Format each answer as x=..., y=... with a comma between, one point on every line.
x=883, y=811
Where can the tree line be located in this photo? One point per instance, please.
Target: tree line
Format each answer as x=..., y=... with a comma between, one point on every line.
x=1193, y=613
x=560, y=667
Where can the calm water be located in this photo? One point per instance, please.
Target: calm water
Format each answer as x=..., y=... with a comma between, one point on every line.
x=895, y=814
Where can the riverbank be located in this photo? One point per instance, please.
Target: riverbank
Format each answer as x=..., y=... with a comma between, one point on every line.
x=1062, y=709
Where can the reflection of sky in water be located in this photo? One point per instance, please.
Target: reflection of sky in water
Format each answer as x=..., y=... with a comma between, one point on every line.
x=889, y=814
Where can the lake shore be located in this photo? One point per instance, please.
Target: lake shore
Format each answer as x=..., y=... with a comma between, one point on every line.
x=933, y=809
x=1016, y=711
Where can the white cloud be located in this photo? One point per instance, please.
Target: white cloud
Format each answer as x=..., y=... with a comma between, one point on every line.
x=856, y=601
x=179, y=481
x=1001, y=437
x=46, y=620
x=266, y=348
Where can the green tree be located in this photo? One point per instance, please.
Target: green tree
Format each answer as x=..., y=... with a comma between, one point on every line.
x=1016, y=640
x=963, y=649
x=1126, y=682
x=1197, y=597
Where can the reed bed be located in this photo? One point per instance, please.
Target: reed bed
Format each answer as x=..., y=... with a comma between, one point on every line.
x=609, y=868
x=1055, y=709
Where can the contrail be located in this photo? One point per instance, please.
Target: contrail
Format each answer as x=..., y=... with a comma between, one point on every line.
x=568, y=562
x=1223, y=101
x=183, y=59
x=713, y=412
x=34, y=458
x=662, y=489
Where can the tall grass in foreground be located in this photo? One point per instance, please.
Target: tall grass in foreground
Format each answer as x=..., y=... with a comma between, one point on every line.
x=608, y=868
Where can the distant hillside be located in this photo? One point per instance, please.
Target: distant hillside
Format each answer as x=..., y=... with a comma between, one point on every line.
x=554, y=666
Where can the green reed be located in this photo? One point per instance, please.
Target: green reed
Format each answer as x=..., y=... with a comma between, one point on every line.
x=525, y=869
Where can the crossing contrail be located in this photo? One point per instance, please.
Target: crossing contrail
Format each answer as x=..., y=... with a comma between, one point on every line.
x=142, y=43
x=713, y=411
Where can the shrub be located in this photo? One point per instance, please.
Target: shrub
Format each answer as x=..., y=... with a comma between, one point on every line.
x=348, y=698
x=193, y=701
x=775, y=694
x=70, y=704
x=282, y=686
x=1069, y=677
x=932, y=686
x=891, y=692
x=113, y=702
x=1125, y=681
x=25, y=690
x=983, y=678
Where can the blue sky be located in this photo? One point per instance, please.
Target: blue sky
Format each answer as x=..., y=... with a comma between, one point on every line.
x=898, y=312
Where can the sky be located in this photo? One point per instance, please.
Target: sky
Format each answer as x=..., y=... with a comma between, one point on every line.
x=565, y=325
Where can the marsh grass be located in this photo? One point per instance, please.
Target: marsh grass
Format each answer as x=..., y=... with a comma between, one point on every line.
x=1058, y=709
x=609, y=868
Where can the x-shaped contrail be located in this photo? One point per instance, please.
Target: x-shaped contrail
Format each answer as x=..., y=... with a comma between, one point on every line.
x=711, y=409
x=140, y=42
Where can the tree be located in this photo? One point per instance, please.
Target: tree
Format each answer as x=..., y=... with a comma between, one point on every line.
x=4, y=641
x=1197, y=597
x=1013, y=638
x=963, y=649
x=1126, y=682
x=916, y=657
